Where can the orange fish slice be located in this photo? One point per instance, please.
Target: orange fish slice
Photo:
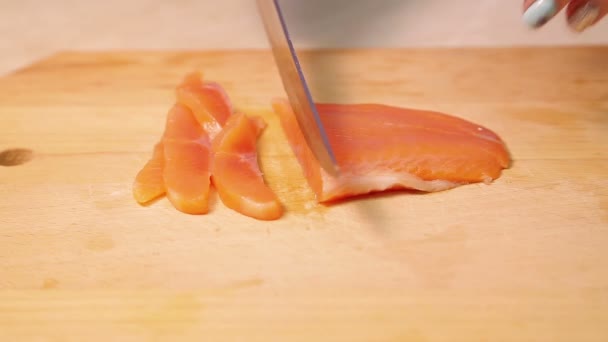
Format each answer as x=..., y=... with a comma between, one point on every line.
x=211, y=106
x=187, y=158
x=236, y=173
x=382, y=147
x=149, y=183
x=207, y=100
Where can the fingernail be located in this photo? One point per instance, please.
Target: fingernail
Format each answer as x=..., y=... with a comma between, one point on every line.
x=584, y=16
x=539, y=13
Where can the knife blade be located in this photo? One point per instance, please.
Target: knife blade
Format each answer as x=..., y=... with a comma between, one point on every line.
x=295, y=85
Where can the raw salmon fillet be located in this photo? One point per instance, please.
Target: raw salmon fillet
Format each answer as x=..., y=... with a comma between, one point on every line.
x=236, y=174
x=180, y=164
x=381, y=147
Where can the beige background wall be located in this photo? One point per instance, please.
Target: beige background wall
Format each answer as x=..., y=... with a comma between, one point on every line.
x=32, y=29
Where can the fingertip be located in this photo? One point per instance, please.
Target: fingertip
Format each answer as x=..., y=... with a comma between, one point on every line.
x=539, y=12
x=582, y=14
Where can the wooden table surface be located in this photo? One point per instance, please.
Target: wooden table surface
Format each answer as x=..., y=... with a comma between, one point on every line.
x=521, y=259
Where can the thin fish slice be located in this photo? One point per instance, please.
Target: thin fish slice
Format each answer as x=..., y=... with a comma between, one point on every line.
x=207, y=100
x=187, y=152
x=236, y=173
x=211, y=107
x=149, y=183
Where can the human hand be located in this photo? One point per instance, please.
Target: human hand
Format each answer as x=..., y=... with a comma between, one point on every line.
x=580, y=14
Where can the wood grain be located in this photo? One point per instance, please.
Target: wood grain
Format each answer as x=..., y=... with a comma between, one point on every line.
x=522, y=259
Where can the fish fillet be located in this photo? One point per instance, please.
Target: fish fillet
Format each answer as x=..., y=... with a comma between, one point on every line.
x=236, y=174
x=381, y=147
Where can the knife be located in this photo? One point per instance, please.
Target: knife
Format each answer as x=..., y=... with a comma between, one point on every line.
x=295, y=86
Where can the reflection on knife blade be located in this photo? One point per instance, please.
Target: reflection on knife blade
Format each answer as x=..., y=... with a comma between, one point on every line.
x=295, y=85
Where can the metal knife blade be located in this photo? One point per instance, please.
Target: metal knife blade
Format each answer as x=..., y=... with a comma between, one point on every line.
x=295, y=85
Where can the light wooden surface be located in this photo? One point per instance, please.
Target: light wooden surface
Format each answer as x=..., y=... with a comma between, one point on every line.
x=33, y=29
x=523, y=259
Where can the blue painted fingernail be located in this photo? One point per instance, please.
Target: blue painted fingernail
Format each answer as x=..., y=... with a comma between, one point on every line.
x=540, y=12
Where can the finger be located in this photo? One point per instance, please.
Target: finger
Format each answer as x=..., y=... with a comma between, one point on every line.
x=538, y=12
x=582, y=14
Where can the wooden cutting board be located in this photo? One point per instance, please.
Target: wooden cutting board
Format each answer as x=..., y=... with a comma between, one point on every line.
x=522, y=259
